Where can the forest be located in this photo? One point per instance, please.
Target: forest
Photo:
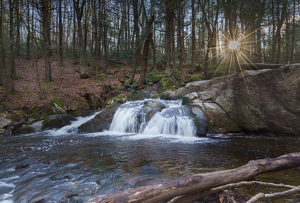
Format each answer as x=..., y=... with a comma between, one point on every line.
x=185, y=36
x=149, y=100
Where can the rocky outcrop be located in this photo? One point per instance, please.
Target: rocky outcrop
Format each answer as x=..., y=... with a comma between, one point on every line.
x=253, y=101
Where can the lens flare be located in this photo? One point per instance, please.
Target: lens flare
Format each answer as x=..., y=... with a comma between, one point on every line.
x=234, y=45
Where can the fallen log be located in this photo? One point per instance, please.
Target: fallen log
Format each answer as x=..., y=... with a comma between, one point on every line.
x=201, y=182
x=258, y=66
x=13, y=126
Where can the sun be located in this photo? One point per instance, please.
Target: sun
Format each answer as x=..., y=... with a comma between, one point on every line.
x=233, y=45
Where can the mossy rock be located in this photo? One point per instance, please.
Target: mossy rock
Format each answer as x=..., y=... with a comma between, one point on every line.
x=122, y=98
x=16, y=116
x=154, y=77
x=25, y=129
x=57, y=106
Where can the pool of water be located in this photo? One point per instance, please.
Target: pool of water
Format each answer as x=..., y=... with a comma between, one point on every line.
x=75, y=167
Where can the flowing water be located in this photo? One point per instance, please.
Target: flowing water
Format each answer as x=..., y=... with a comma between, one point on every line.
x=64, y=166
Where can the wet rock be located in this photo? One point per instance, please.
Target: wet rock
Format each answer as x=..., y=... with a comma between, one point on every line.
x=37, y=126
x=174, y=94
x=101, y=121
x=197, y=86
x=21, y=166
x=57, y=121
x=151, y=107
x=199, y=120
x=189, y=97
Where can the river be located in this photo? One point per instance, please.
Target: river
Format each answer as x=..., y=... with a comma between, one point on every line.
x=65, y=166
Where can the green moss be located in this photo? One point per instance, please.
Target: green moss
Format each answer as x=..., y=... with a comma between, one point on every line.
x=167, y=83
x=154, y=77
x=55, y=88
x=67, y=86
x=58, y=102
x=119, y=87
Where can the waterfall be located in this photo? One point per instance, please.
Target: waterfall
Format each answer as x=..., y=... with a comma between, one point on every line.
x=171, y=121
x=174, y=119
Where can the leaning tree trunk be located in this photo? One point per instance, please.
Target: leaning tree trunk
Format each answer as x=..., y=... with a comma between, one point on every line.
x=145, y=51
x=201, y=182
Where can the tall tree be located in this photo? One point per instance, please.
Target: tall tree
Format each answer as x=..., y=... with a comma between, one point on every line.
x=12, y=70
x=18, y=26
x=168, y=33
x=79, y=7
x=28, y=32
x=280, y=19
x=2, y=56
x=137, y=41
x=46, y=18
x=60, y=44
x=293, y=32
x=193, y=61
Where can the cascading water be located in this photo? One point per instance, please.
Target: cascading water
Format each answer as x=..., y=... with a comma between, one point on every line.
x=128, y=118
x=171, y=119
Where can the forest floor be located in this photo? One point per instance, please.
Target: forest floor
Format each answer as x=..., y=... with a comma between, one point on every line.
x=31, y=89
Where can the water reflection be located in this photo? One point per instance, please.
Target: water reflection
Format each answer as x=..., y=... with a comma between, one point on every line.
x=79, y=167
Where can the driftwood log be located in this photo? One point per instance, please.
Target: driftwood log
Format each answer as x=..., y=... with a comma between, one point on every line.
x=13, y=126
x=258, y=66
x=201, y=182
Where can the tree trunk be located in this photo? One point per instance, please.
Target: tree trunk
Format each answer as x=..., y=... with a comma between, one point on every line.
x=46, y=32
x=10, y=79
x=60, y=35
x=201, y=182
x=2, y=56
x=28, y=33
x=18, y=23
x=180, y=44
x=148, y=36
x=279, y=26
x=137, y=42
x=168, y=32
x=193, y=61
x=293, y=33
x=122, y=28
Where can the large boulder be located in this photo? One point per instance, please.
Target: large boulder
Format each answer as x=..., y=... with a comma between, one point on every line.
x=57, y=106
x=255, y=101
x=57, y=121
x=101, y=121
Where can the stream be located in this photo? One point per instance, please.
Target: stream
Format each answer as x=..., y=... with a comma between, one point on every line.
x=62, y=165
